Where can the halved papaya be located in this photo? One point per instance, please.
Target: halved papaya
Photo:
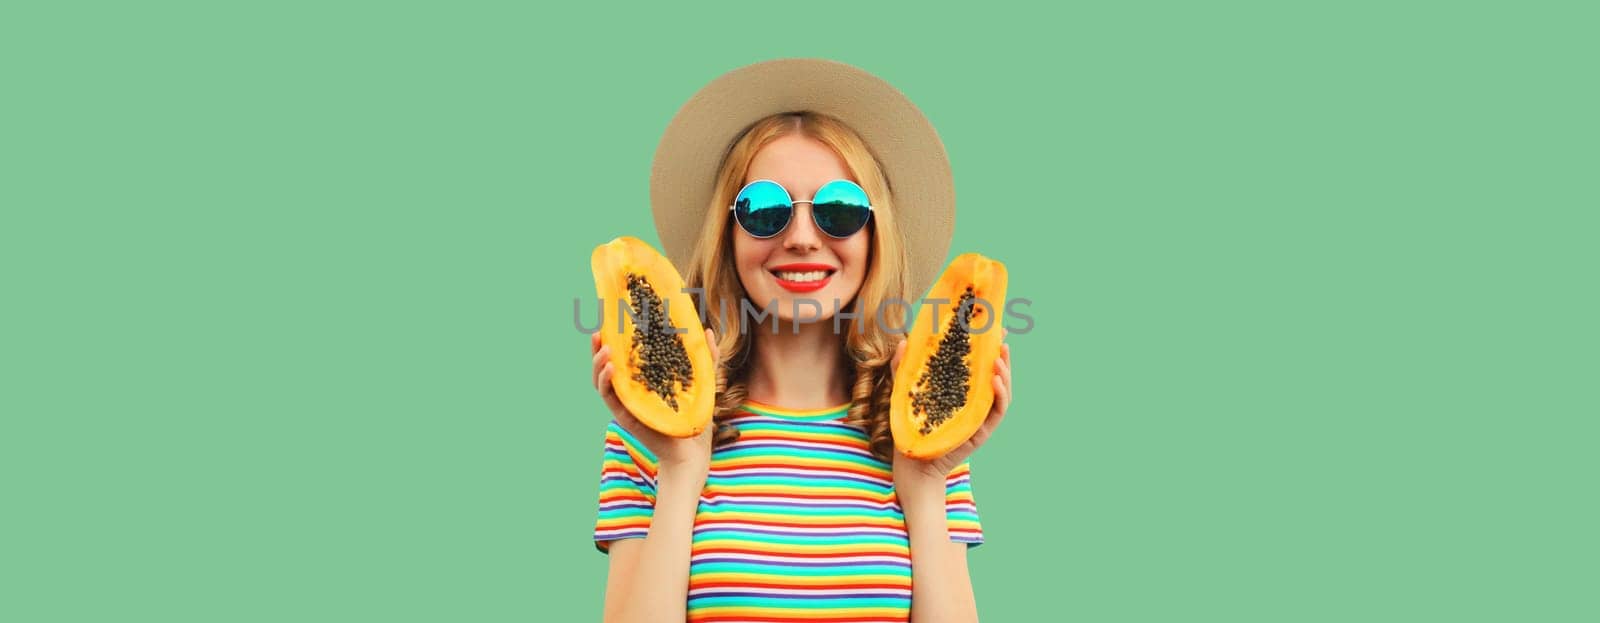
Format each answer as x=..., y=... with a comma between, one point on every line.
x=662, y=367
x=943, y=387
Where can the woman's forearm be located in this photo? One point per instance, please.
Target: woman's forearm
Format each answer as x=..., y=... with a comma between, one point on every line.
x=658, y=587
x=941, y=588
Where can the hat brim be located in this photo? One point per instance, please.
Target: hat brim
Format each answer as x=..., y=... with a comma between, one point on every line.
x=895, y=130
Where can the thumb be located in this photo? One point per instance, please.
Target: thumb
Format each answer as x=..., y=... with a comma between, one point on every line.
x=899, y=352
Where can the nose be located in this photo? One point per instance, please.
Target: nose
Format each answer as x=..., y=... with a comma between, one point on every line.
x=802, y=234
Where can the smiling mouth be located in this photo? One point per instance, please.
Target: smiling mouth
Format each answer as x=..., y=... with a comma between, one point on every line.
x=812, y=278
x=801, y=276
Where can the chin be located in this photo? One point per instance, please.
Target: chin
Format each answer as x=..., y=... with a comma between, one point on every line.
x=785, y=306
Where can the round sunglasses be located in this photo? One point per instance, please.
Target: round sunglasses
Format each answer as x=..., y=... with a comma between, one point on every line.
x=764, y=208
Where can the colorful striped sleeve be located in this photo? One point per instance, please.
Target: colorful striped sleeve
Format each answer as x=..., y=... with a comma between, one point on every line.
x=627, y=489
x=960, y=509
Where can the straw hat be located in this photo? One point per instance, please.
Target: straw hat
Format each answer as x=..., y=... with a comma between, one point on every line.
x=899, y=136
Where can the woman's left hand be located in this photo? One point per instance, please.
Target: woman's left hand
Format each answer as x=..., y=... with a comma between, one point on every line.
x=943, y=465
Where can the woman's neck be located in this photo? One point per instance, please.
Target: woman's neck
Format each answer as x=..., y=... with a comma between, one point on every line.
x=797, y=371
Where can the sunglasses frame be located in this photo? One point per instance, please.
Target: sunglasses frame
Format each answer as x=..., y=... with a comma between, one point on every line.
x=792, y=203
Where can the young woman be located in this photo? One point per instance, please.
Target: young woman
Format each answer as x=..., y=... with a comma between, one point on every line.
x=794, y=506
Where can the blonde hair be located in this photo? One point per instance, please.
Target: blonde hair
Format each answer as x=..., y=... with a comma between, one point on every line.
x=865, y=346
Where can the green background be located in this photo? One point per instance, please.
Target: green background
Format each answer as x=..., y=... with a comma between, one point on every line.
x=288, y=325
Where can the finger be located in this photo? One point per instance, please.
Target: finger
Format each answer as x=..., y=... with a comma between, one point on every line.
x=982, y=434
x=602, y=383
x=1002, y=403
x=607, y=393
x=601, y=358
x=599, y=373
x=899, y=353
x=978, y=439
x=1005, y=353
x=997, y=412
x=1003, y=368
x=594, y=341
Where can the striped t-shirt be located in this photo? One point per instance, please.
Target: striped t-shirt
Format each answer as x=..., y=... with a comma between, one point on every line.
x=797, y=521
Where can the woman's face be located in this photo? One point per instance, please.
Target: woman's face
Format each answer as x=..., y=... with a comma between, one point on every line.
x=772, y=269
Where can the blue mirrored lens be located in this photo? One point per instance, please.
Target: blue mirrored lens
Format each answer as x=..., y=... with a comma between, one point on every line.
x=841, y=208
x=763, y=208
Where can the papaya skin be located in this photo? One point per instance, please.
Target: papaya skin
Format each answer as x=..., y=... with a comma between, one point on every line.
x=611, y=264
x=988, y=280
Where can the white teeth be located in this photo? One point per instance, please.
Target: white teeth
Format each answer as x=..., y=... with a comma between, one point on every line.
x=815, y=275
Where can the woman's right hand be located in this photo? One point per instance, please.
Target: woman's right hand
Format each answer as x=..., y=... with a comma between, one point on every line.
x=670, y=452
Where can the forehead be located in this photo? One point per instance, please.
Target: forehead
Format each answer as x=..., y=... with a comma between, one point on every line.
x=801, y=164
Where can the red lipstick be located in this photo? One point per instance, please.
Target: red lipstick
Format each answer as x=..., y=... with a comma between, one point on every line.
x=802, y=286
